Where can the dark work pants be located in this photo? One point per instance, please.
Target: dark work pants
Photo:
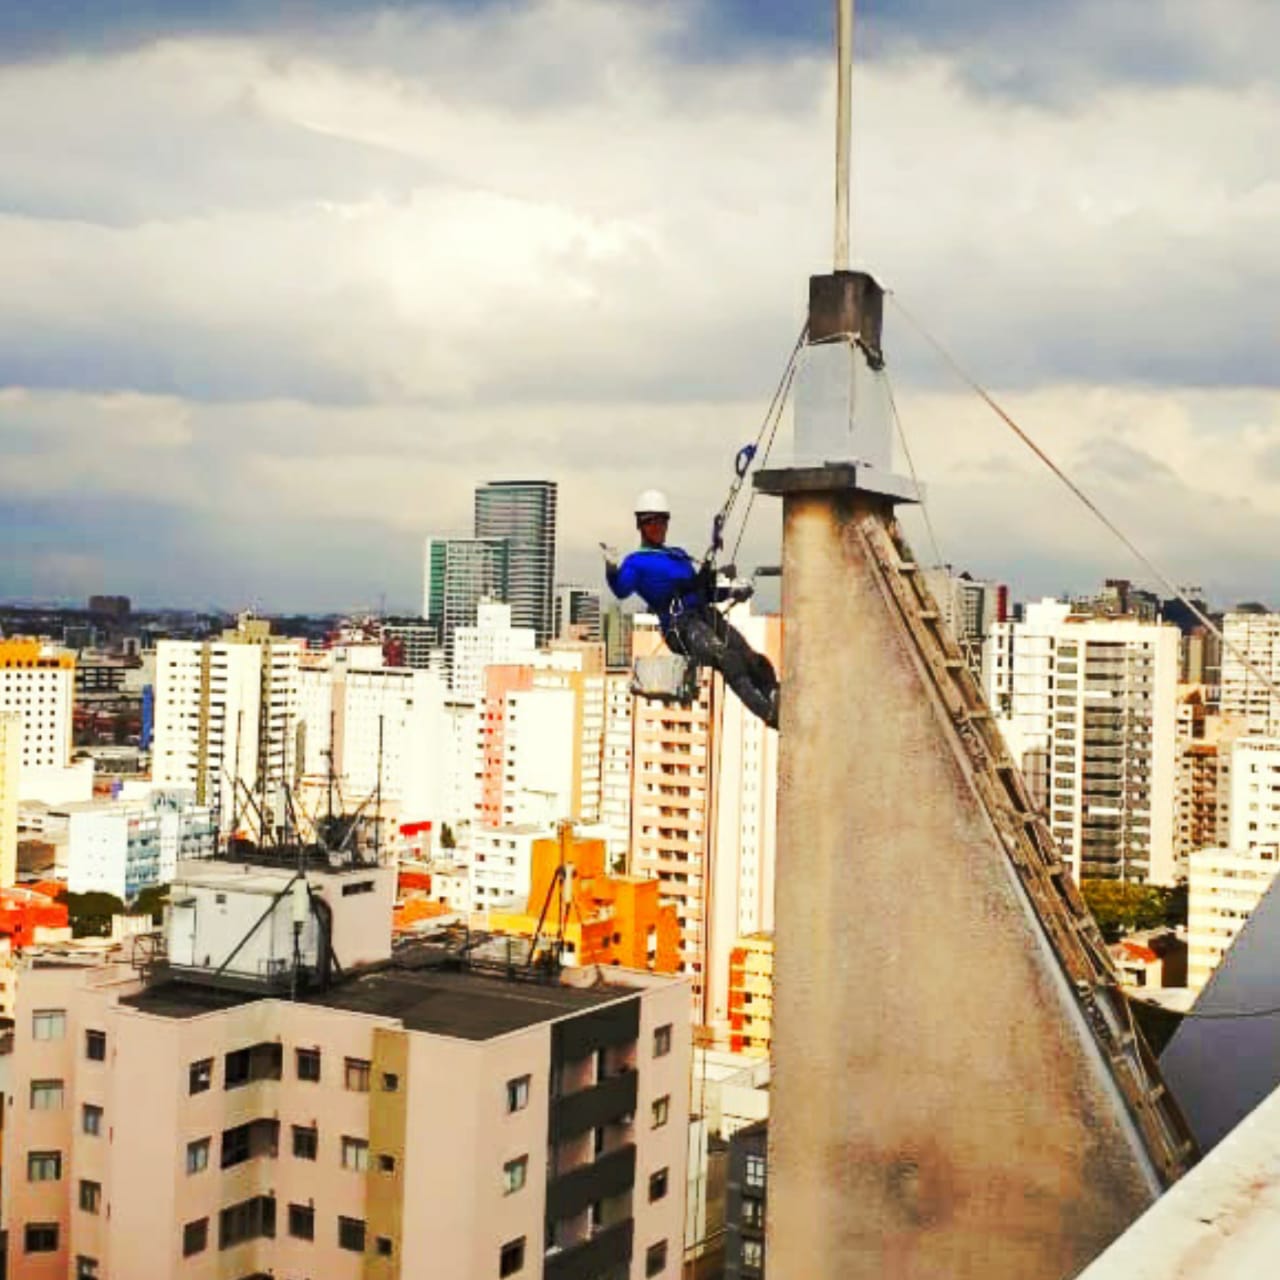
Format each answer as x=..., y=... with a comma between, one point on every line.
x=706, y=637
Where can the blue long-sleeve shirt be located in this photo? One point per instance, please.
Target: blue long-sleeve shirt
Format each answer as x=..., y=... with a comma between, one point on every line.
x=663, y=577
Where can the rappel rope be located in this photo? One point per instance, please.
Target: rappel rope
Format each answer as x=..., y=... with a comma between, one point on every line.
x=748, y=453
x=915, y=479
x=983, y=394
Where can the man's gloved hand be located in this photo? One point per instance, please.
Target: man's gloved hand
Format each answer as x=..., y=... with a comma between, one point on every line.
x=610, y=555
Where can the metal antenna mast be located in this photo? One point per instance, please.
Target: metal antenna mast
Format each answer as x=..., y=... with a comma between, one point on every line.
x=844, y=127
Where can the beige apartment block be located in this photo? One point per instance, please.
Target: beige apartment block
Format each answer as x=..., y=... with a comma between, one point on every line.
x=704, y=815
x=10, y=762
x=1224, y=887
x=419, y=1117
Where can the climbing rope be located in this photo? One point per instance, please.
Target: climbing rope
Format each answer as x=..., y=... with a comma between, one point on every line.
x=990, y=401
x=749, y=452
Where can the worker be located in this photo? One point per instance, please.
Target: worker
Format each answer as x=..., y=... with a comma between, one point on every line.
x=682, y=594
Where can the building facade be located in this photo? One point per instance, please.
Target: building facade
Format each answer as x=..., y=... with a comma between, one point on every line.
x=577, y=613
x=37, y=682
x=1223, y=888
x=1256, y=636
x=523, y=514
x=406, y=1120
x=492, y=641
x=10, y=763
x=747, y=1198
x=227, y=717
x=458, y=574
x=751, y=995
x=1087, y=706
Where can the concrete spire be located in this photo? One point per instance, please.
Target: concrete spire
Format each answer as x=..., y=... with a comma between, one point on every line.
x=955, y=1092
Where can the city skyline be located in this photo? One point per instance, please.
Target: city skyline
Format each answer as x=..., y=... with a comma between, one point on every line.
x=285, y=362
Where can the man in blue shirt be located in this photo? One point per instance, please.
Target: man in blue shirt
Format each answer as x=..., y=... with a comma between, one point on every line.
x=681, y=593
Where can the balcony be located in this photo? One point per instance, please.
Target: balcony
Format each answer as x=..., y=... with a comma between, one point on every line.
x=606, y=1252
x=610, y=1175
x=600, y=1104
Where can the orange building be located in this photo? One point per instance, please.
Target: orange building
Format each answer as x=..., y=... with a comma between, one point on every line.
x=751, y=994
x=615, y=920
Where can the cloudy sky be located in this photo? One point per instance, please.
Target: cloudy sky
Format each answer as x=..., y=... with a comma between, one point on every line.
x=283, y=283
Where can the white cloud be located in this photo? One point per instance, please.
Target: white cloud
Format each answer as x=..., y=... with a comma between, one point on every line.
x=345, y=282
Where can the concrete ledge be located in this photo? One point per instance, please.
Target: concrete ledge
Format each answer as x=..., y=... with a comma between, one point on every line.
x=849, y=477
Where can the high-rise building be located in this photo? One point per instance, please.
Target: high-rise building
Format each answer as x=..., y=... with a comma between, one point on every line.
x=523, y=514
x=703, y=815
x=410, y=642
x=969, y=608
x=289, y=1098
x=747, y=1196
x=38, y=682
x=492, y=640
x=1223, y=889
x=1244, y=694
x=1087, y=706
x=458, y=574
x=615, y=763
x=227, y=721
x=10, y=762
x=577, y=613
x=616, y=627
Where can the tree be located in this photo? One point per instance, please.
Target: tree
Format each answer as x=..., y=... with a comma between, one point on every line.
x=446, y=837
x=90, y=913
x=151, y=902
x=1121, y=908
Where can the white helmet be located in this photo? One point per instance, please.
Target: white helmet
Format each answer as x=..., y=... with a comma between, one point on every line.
x=653, y=502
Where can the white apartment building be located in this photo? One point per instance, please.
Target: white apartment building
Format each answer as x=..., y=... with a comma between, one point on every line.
x=502, y=865
x=615, y=764
x=37, y=683
x=1224, y=887
x=10, y=762
x=123, y=847
x=1087, y=706
x=227, y=719
x=1243, y=693
x=493, y=641
x=538, y=775
x=1254, y=807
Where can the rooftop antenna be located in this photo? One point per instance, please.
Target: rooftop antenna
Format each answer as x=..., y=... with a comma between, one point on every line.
x=844, y=127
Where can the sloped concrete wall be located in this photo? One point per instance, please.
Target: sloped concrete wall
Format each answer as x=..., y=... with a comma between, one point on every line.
x=940, y=1110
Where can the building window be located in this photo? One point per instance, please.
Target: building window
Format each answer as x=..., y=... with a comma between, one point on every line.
x=95, y=1046
x=661, y=1110
x=86, y=1268
x=91, y=1119
x=44, y=1166
x=360, y=886
x=351, y=1234
x=244, y=1066
x=662, y=1041
x=518, y=1093
x=752, y=1254
x=755, y=1171
x=390, y=1082
x=198, y=1155
x=302, y=1221
x=657, y=1185
x=514, y=1173
x=195, y=1237
x=90, y=1195
x=48, y=1024
x=355, y=1154
x=306, y=1141
x=40, y=1237
x=308, y=1064
x=387, y=1164
x=752, y=1212
x=46, y=1095
x=200, y=1076
x=511, y=1259
x=383, y=1246
x=655, y=1259
x=357, y=1075
x=248, y=1220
